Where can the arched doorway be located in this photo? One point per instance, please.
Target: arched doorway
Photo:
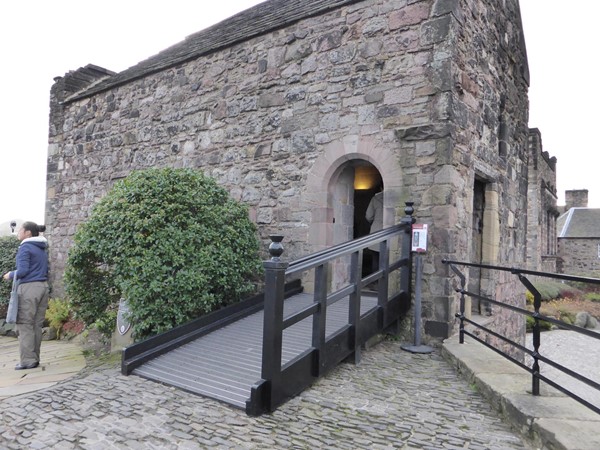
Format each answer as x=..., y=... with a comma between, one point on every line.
x=351, y=188
x=330, y=192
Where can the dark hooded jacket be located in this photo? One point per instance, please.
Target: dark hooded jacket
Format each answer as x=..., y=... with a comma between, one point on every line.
x=32, y=260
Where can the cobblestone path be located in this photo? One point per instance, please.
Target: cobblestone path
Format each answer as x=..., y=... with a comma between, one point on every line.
x=392, y=400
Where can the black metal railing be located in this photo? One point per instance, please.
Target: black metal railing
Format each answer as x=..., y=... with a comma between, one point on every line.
x=535, y=354
x=282, y=381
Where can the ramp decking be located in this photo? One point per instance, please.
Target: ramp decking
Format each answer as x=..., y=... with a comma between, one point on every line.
x=226, y=363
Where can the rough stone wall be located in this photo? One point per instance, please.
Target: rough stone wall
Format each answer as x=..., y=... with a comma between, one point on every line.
x=542, y=210
x=255, y=116
x=417, y=88
x=489, y=109
x=580, y=256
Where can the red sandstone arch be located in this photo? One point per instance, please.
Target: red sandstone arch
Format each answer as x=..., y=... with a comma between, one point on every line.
x=325, y=176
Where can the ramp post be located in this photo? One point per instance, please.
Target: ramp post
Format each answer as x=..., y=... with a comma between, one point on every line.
x=417, y=347
x=273, y=322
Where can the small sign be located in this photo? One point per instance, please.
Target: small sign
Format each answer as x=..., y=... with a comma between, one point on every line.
x=419, y=237
x=123, y=324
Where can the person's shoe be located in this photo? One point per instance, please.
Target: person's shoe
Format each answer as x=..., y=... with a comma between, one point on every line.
x=27, y=366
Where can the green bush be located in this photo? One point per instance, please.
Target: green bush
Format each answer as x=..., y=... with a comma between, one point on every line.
x=530, y=322
x=8, y=252
x=529, y=298
x=583, y=286
x=58, y=314
x=171, y=242
x=592, y=296
x=567, y=317
x=106, y=323
x=551, y=290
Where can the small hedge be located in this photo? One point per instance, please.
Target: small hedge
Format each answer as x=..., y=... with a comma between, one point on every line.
x=530, y=322
x=171, y=242
x=592, y=296
x=8, y=253
x=551, y=290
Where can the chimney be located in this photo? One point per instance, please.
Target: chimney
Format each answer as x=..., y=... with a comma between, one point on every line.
x=576, y=199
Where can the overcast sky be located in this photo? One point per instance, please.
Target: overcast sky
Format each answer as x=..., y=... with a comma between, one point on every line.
x=41, y=40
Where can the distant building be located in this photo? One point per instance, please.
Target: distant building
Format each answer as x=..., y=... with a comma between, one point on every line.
x=579, y=236
x=5, y=229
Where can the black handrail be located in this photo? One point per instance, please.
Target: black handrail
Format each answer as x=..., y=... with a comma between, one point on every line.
x=515, y=270
x=279, y=382
x=314, y=259
x=535, y=354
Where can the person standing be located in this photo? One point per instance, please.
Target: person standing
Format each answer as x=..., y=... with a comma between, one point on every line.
x=32, y=274
x=374, y=216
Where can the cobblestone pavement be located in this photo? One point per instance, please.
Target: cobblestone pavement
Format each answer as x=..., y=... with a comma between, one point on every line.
x=392, y=400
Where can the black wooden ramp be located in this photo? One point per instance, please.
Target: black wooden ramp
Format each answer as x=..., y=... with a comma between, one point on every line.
x=227, y=362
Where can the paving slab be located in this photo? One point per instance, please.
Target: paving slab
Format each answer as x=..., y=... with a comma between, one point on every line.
x=60, y=360
x=551, y=420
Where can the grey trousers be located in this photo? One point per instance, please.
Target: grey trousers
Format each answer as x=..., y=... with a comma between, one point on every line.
x=33, y=302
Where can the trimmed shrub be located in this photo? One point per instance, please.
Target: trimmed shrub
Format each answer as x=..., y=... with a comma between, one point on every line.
x=551, y=290
x=169, y=241
x=586, y=287
x=592, y=296
x=8, y=252
x=530, y=322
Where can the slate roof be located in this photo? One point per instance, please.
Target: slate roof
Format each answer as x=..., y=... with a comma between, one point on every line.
x=260, y=19
x=579, y=223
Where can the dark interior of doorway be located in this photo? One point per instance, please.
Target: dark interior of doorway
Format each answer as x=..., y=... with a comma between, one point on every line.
x=477, y=247
x=361, y=226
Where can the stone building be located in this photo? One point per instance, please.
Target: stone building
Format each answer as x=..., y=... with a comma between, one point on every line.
x=298, y=107
x=6, y=228
x=579, y=236
x=542, y=210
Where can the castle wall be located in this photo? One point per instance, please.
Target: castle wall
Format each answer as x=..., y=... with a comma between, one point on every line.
x=489, y=108
x=542, y=209
x=418, y=89
x=580, y=257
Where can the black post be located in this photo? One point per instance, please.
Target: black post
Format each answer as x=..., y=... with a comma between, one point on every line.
x=407, y=221
x=537, y=303
x=320, y=319
x=417, y=347
x=406, y=272
x=535, y=382
x=273, y=320
x=461, y=327
x=384, y=266
x=461, y=313
x=354, y=306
